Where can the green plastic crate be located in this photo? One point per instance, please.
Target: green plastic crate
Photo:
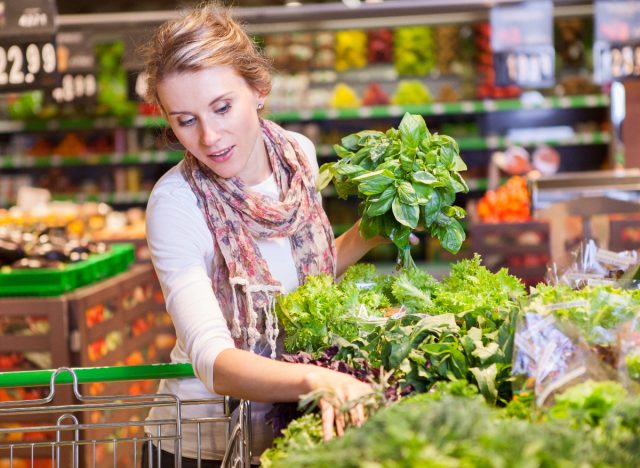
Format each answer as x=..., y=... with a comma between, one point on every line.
x=54, y=281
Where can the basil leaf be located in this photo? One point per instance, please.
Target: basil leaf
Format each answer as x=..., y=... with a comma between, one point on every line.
x=454, y=212
x=407, y=194
x=447, y=195
x=400, y=236
x=371, y=227
x=325, y=176
x=432, y=208
x=407, y=157
x=447, y=156
x=341, y=151
x=424, y=177
x=423, y=192
x=458, y=164
x=378, y=150
x=405, y=214
x=350, y=142
x=458, y=183
x=345, y=169
x=453, y=237
x=413, y=130
x=382, y=204
x=374, y=185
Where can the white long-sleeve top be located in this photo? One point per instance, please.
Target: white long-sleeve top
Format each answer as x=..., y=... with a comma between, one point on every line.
x=182, y=249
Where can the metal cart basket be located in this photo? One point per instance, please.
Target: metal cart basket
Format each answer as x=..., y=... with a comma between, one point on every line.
x=61, y=430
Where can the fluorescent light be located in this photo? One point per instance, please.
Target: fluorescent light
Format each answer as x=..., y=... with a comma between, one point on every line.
x=293, y=3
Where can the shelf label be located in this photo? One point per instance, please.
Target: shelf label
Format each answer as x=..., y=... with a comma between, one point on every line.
x=522, y=44
x=28, y=57
x=616, y=50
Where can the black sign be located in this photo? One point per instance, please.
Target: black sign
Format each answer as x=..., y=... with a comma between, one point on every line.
x=533, y=66
x=616, y=61
x=28, y=57
x=522, y=43
x=616, y=51
x=77, y=66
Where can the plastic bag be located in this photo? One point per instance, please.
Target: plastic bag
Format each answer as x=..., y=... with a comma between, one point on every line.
x=592, y=265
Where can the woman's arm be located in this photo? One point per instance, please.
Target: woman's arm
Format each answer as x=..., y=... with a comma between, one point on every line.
x=246, y=375
x=351, y=247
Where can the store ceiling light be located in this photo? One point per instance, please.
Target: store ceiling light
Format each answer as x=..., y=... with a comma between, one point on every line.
x=292, y=3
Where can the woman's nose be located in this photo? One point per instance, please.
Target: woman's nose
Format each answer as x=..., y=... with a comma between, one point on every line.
x=209, y=135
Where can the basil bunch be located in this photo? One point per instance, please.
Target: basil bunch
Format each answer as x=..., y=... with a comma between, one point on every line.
x=408, y=179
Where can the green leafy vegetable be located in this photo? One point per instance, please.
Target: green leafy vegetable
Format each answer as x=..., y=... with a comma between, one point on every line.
x=408, y=179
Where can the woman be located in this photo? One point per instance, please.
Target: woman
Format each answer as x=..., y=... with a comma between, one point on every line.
x=235, y=223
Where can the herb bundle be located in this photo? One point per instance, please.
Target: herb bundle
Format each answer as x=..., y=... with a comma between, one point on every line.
x=408, y=179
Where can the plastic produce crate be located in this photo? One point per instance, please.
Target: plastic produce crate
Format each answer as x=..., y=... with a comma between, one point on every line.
x=522, y=248
x=55, y=282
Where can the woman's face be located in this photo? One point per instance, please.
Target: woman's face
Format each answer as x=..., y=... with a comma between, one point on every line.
x=213, y=114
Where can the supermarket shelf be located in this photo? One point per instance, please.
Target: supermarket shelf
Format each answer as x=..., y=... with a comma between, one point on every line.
x=143, y=157
x=111, y=198
x=324, y=151
x=501, y=142
x=437, y=108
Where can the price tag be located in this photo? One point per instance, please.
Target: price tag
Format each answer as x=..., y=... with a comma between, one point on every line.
x=28, y=57
x=76, y=64
x=616, y=61
x=522, y=43
x=136, y=85
x=534, y=67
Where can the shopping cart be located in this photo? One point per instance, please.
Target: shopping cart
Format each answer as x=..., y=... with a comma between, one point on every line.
x=99, y=431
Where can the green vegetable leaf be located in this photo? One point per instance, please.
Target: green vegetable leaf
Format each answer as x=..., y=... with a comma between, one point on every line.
x=342, y=152
x=423, y=192
x=453, y=237
x=382, y=204
x=350, y=142
x=407, y=215
x=454, y=212
x=424, y=177
x=407, y=157
x=448, y=156
x=413, y=130
x=486, y=379
x=432, y=208
x=458, y=183
x=373, y=183
x=371, y=226
x=458, y=164
x=346, y=169
x=407, y=194
x=325, y=176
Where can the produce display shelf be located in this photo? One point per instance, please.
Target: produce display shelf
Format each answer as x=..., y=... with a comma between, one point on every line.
x=107, y=197
x=436, y=108
x=54, y=282
x=143, y=157
x=502, y=142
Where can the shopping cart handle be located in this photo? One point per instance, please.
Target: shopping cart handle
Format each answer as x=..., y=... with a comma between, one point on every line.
x=39, y=378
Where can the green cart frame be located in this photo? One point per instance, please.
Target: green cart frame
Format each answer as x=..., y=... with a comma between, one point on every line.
x=73, y=433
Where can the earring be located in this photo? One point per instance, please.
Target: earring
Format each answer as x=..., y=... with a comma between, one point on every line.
x=260, y=106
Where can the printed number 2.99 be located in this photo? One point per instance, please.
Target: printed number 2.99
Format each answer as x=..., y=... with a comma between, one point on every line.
x=12, y=63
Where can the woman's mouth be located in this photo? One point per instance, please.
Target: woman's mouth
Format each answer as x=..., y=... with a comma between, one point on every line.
x=223, y=155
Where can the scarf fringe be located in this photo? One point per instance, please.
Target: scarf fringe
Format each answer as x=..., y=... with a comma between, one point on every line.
x=271, y=322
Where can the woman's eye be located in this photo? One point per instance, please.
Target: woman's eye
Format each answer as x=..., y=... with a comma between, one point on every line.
x=186, y=123
x=223, y=110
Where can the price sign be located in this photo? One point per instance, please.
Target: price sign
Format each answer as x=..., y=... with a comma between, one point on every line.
x=77, y=63
x=522, y=44
x=533, y=67
x=28, y=57
x=616, y=61
x=616, y=51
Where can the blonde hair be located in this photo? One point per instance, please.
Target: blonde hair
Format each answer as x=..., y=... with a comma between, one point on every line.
x=205, y=36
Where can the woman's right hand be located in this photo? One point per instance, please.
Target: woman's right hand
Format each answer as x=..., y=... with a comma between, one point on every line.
x=340, y=388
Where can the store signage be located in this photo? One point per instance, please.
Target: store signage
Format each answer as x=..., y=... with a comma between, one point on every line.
x=77, y=65
x=28, y=57
x=133, y=62
x=522, y=44
x=616, y=50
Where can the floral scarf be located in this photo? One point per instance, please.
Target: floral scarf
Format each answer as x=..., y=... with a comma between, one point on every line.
x=237, y=216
